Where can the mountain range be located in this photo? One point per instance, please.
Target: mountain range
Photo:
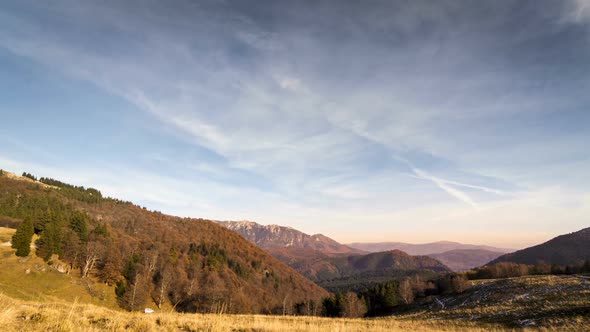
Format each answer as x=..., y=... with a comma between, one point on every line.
x=424, y=248
x=274, y=236
x=331, y=264
x=313, y=255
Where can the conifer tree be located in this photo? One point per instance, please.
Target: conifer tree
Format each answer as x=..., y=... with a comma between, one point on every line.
x=21, y=240
x=79, y=224
x=50, y=241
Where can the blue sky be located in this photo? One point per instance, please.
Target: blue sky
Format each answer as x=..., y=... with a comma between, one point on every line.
x=406, y=121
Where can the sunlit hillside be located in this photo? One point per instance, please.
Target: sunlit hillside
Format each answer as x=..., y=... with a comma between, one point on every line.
x=193, y=265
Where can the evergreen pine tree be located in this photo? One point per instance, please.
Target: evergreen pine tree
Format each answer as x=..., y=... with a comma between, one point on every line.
x=79, y=224
x=21, y=240
x=50, y=241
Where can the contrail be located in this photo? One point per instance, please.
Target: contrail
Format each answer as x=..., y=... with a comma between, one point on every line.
x=444, y=185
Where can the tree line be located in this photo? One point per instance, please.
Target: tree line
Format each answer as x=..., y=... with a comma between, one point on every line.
x=511, y=270
x=60, y=226
x=392, y=296
x=79, y=193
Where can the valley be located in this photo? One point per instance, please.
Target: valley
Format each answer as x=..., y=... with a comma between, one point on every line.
x=339, y=267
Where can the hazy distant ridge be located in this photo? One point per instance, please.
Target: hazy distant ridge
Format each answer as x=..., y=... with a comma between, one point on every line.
x=465, y=259
x=423, y=249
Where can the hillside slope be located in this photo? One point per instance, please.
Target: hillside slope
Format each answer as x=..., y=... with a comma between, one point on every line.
x=194, y=264
x=465, y=259
x=568, y=249
x=274, y=236
x=557, y=303
x=31, y=279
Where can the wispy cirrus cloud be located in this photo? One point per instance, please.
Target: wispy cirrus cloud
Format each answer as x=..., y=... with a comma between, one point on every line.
x=579, y=11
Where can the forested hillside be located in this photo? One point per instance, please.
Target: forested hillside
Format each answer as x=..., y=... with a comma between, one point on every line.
x=356, y=272
x=193, y=264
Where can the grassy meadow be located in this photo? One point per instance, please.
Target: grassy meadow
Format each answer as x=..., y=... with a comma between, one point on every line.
x=31, y=279
x=17, y=315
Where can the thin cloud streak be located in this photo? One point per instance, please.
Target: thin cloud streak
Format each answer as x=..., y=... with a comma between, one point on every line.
x=444, y=185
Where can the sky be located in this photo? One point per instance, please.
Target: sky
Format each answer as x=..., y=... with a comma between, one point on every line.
x=366, y=121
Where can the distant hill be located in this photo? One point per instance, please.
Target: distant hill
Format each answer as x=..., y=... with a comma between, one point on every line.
x=358, y=272
x=193, y=265
x=465, y=259
x=318, y=266
x=387, y=260
x=274, y=236
x=423, y=249
x=355, y=272
x=568, y=249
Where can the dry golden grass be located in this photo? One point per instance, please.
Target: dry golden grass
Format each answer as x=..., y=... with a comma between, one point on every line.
x=31, y=279
x=556, y=302
x=17, y=315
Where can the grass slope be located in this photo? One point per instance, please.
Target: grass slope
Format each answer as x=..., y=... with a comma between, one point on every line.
x=31, y=279
x=544, y=303
x=553, y=302
x=17, y=315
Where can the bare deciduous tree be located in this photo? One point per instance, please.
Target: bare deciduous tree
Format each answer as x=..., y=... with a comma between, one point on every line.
x=353, y=306
x=91, y=257
x=406, y=293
